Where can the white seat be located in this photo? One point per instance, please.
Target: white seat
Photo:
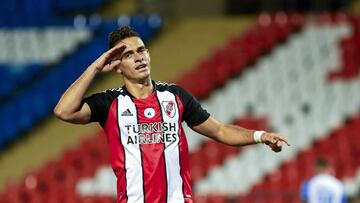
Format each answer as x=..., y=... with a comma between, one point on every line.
x=33, y=45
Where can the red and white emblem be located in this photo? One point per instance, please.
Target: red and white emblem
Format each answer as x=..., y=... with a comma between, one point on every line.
x=169, y=108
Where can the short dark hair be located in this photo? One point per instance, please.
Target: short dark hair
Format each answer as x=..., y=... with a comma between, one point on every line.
x=120, y=34
x=321, y=162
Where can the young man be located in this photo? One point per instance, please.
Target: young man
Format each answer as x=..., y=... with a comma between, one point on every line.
x=323, y=187
x=142, y=121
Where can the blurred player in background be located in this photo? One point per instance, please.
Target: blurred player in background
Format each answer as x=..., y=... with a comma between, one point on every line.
x=142, y=121
x=323, y=187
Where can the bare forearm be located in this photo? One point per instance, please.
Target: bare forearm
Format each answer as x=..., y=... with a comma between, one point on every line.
x=71, y=100
x=235, y=136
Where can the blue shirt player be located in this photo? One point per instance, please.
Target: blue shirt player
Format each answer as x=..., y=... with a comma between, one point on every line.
x=323, y=187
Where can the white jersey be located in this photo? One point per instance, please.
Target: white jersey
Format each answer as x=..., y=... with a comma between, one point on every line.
x=323, y=188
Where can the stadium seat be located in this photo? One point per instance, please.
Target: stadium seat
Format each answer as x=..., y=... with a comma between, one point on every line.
x=54, y=65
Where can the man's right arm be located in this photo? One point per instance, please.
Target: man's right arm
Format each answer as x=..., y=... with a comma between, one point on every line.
x=71, y=107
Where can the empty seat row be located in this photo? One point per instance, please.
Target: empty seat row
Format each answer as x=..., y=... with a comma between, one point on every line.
x=56, y=181
x=211, y=154
x=349, y=52
x=340, y=147
x=239, y=52
x=48, y=8
x=303, y=110
x=16, y=75
x=47, y=46
x=33, y=102
x=223, y=70
x=29, y=52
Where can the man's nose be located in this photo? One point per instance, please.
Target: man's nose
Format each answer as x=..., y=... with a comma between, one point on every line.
x=138, y=57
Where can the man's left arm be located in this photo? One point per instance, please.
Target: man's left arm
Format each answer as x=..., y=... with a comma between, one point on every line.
x=237, y=136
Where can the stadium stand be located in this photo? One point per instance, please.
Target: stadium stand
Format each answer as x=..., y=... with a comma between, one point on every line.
x=57, y=77
x=42, y=52
x=306, y=61
x=306, y=106
x=62, y=136
x=282, y=185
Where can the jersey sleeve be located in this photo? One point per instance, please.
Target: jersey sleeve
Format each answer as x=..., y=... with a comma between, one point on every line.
x=343, y=197
x=193, y=114
x=304, y=191
x=99, y=104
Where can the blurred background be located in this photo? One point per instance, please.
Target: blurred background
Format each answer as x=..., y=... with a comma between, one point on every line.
x=290, y=66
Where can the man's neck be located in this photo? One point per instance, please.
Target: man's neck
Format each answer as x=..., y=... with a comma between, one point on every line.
x=139, y=89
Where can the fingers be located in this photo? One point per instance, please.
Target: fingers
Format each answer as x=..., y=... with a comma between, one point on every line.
x=107, y=60
x=277, y=147
x=114, y=63
x=110, y=66
x=113, y=52
x=275, y=141
x=281, y=138
x=116, y=50
x=275, y=138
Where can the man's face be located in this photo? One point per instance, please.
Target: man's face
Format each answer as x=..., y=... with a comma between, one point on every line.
x=135, y=59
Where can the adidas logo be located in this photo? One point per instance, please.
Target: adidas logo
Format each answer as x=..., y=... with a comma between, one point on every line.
x=127, y=112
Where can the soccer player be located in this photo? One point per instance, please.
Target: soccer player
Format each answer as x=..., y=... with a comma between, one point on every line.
x=323, y=187
x=143, y=123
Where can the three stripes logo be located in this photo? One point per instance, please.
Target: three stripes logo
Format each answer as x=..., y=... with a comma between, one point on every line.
x=127, y=112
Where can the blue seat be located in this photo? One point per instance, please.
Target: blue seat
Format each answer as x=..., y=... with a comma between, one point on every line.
x=24, y=118
x=141, y=25
x=13, y=77
x=7, y=82
x=37, y=99
x=18, y=74
x=40, y=101
x=9, y=125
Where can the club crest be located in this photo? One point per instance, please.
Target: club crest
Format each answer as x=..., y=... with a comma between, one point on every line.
x=169, y=108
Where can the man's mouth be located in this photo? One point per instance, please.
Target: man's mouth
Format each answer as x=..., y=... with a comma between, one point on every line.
x=141, y=66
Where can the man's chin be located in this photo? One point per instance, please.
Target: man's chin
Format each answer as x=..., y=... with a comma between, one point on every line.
x=144, y=74
x=143, y=77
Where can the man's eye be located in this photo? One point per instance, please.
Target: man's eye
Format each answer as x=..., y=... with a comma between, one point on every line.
x=127, y=55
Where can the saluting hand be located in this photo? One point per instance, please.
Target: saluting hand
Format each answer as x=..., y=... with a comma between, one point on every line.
x=109, y=60
x=274, y=141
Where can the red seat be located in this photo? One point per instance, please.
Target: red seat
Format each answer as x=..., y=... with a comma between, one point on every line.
x=210, y=199
x=324, y=18
x=296, y=20
x=244, y=199
x=211, y=155
x=197, y=170
x=228, y=151
x=290, y=177
x=221, y=65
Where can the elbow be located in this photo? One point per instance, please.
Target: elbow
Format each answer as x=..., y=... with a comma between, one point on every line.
x=59, y=113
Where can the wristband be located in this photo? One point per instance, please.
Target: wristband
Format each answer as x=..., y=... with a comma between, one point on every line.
x=257, y=136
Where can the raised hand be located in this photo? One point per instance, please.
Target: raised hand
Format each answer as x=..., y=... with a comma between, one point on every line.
x=274, y=141
x=109, y=60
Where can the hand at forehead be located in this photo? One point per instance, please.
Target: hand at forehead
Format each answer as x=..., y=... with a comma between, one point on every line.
x=118, y=49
